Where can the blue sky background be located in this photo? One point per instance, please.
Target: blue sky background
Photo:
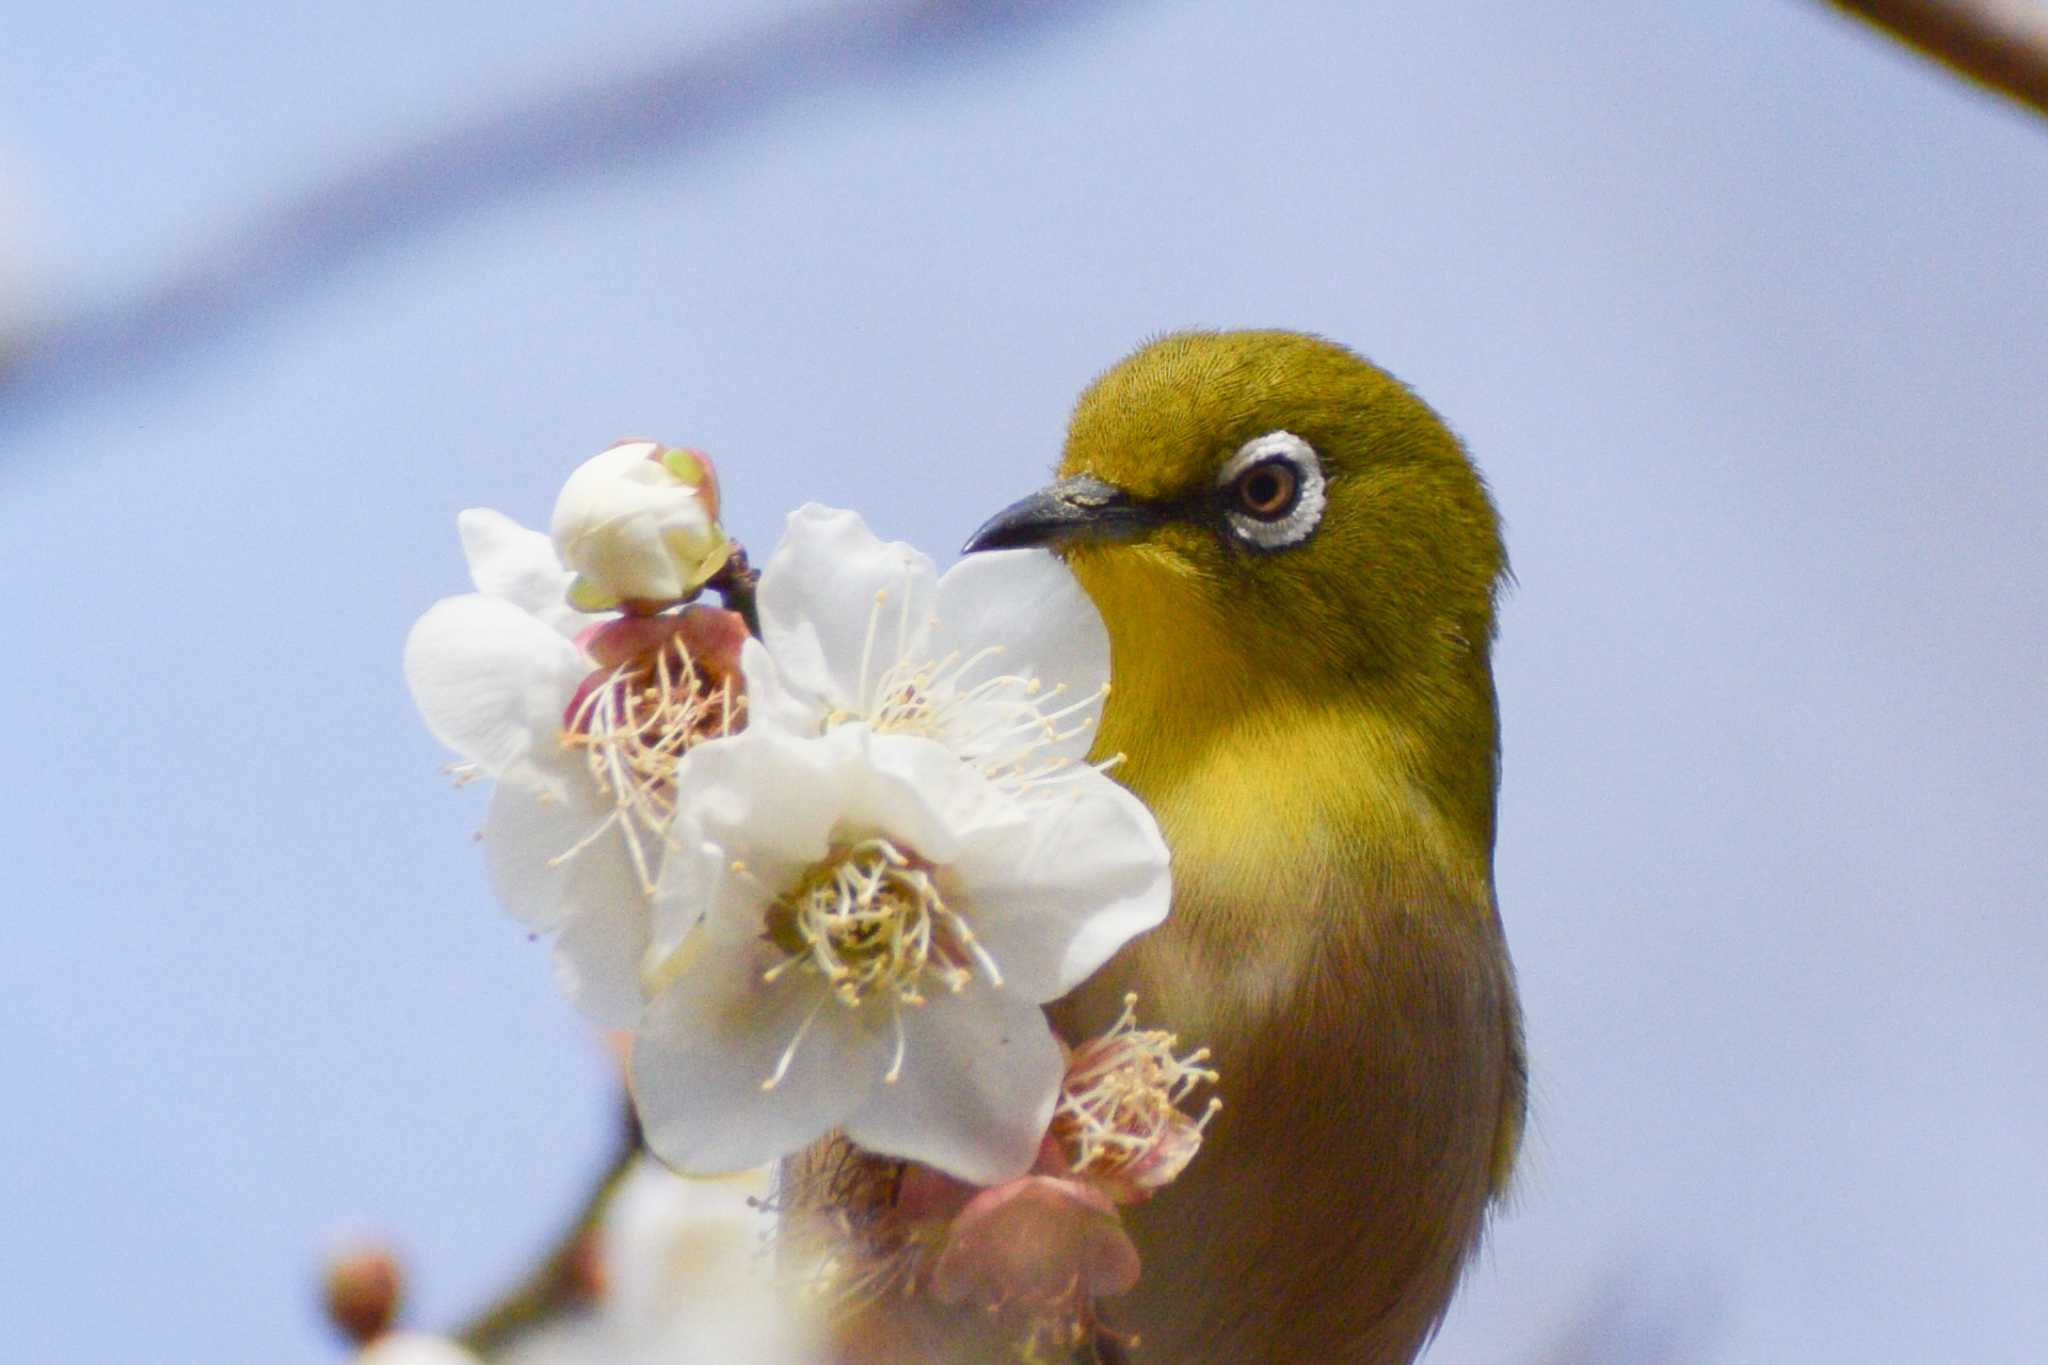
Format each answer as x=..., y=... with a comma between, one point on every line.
x=1741, y=309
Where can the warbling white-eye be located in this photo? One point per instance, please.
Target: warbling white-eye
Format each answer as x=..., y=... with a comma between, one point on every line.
x=1297, y=565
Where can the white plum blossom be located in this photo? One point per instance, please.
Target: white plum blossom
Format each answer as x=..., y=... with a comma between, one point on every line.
x=1003, y=658
x=638, y=524
x=581, y=727
x=857, y=931
x=689, y=1275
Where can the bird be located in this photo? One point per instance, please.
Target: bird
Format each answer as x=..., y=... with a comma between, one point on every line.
x=1298, y=567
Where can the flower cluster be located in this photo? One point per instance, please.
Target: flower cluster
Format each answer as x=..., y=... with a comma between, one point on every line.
x=668, y=1270
x=826, y=850
x=581, y=723
x=1028, y=1257
x=828, y=875
x=683, y=1272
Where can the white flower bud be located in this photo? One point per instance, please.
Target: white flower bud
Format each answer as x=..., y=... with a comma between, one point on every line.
x=639, y=525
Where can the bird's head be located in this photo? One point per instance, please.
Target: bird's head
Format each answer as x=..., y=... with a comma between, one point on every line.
x=1265, y=514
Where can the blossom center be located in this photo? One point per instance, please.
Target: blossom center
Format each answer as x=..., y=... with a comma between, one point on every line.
x=1119, y=1117
x=633, y=722
x=871, y=920
x=1001, y=722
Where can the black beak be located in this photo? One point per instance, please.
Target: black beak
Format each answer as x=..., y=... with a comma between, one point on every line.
x=1080, y=508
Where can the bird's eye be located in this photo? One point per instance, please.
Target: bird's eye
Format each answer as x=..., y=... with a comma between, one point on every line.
x=1272, y=490
x=1268, y=490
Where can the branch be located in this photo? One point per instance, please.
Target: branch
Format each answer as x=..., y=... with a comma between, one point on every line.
x=1999, y=44
x=665, y=108
x=560, y=1282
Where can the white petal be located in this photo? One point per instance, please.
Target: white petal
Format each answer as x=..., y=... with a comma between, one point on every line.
x=658, y=1222
x=980, y=1074
x=694, y=877
x=599, y=952
x=707, y=889
x=1052, y=899
x=764, y=796
x=709, y=1040
x=414, y=1348
x=529, y=835
x=818, y=599
x=772, y=703
x=758, y=809
x=918, y=794
x=1029, y=603
x=508, y=561
x=489, y=679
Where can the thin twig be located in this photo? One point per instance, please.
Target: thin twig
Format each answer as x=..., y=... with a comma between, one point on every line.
x=556, y=1284
x=538, y=139
x=736, y=583
x=1999, y=44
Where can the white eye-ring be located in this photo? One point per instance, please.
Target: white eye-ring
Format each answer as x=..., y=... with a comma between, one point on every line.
x=1273, y=490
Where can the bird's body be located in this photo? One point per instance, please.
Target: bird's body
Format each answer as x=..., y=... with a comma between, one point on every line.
x=1369, y=1063
x=1297, y=565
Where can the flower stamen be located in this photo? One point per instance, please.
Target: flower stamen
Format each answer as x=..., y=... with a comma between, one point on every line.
x=867, y=648
x=1000, y=723
x=871, y=923
x=1118, y=1117
x=634, y=723
x=895, y=1071
x=789, y=1052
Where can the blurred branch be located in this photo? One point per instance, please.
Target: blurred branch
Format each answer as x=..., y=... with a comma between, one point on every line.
x=2001, y=44
x=562, y=1281
x=540, y=138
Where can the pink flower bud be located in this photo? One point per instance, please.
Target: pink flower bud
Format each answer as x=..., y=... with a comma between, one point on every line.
x=362, y=1288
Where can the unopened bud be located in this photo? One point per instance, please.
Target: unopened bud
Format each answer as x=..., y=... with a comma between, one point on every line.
x=363, y=1287
x=584, y=1272
x=638, y=523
